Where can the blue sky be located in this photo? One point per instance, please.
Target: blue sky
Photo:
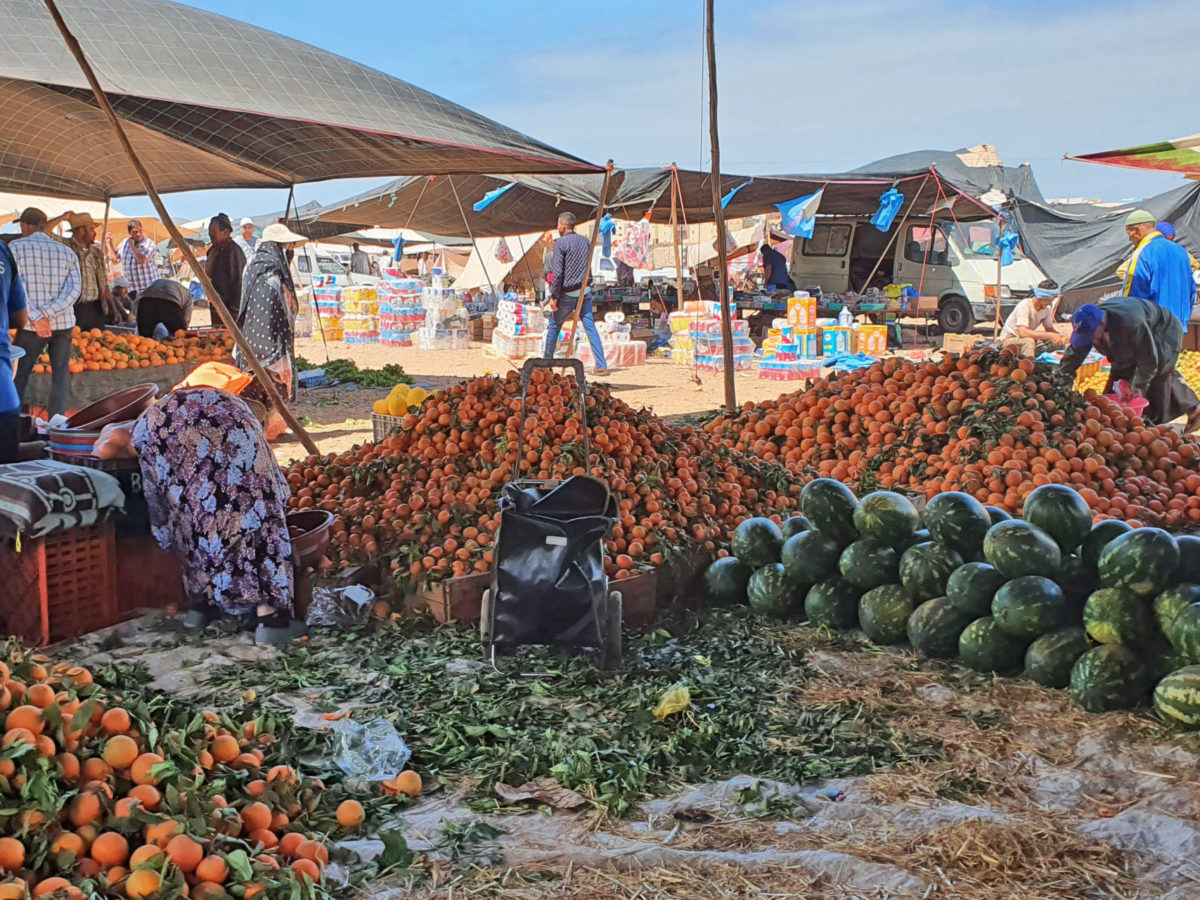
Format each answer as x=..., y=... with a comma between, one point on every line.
x=805, y=85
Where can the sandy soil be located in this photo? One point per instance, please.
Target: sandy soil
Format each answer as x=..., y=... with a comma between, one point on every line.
x=341, y=418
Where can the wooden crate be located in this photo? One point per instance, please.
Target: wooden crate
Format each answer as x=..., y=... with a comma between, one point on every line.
x=639, y=600
x=148, y=577
x=458, y=599
x=958, y=344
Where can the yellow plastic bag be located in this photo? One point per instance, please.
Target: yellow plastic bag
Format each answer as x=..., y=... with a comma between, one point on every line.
x=674, y=700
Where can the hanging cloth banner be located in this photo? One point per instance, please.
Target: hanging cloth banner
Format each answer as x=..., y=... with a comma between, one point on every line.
x=800, y=215
x=1008, y=243
x=607, y=229
x=398, y=243
x=725, y=200
x=492, y=196
x=503, y=254
x=890, y=202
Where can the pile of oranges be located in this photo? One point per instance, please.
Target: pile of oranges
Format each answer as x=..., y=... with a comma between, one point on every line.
x=97, y=800
x=103, y=351
x=426, y=497
x=990, y=424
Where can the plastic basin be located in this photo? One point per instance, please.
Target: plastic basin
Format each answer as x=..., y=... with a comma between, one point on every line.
x=119, y=407
x=310, y=535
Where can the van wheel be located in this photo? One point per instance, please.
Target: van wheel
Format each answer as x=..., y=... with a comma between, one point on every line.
x=954, y=315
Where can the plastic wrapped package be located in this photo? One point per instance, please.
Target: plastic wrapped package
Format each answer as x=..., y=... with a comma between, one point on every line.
x=739, y=327
x=517, y=346
x=371, y=752
x=682, y=356
x=798, y=370
x=716, y=362
x=713, y=343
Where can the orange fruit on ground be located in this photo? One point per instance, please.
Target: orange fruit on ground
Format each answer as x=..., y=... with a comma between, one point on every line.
x=88, y=868
x=313, y=850
x=256, y=788
x=307, y=868
x=161, y=832
x=41, y=695
x=146, y=794
x=50, y=885
x=125, y=807
x=69, y=842
x=139, y=772
x=285, y=774
x=205, y=759
x=116, y=721
x=120, y=751
x=147, y=853
x=350, y=814
x=12, y=854
x=408, y=782
x=68, y=766
x=19, y=735
x=85, y=809
x=27, y=717
x=45, y=745
x=212, y=869
x=110, y=849
x=12, y=890
x=246, y=761
x=77, y=676
x=289, y=843
x=95, y=769
x=256, y=816
x=142, y=884
x=224, y=748
x=264, y=836
x=116, y=875
x=89, y=833
x=254, y=890
x=7, y=767
x=186, y=852
x=207, y=890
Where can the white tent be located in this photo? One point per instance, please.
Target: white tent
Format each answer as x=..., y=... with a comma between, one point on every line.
x=483, y=267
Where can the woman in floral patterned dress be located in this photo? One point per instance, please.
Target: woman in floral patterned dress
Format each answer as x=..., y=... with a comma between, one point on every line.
x=218, y=498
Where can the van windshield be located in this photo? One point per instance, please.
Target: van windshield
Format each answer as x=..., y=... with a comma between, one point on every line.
x=327, y=265
x=974, y=239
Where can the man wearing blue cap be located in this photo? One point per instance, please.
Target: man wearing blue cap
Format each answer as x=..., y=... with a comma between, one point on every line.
x=1141, y=341
x=1159, y=270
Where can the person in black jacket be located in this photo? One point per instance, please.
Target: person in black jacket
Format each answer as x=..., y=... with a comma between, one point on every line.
x=1142, y=343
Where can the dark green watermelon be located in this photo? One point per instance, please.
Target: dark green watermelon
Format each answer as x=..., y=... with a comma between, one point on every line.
x=883, y=614
x=1077, y=582
x=972, y=586
x=920, y=536
x=985, y=647
x=830, y=506
x=1184, y=633
x=1050, y=659
x=867, y=564
x=793, y=525
x=1028, y=607
x=1107, y=677
x=1018, y=548
x=833, y=604
x=1099, y=537
x=1158, y=657
x=1177, y=698
x=1117, y=616
x=887, y=517
x=1143, y=560
x=996, y=514
x=925, y=569
x=771, y=592
x=935, y=626
x=1189, y=559
x=726, y=579
x=1171, y=602
x=810, y=556
x=1060, y=512
x=756, y=542
x=957, y=520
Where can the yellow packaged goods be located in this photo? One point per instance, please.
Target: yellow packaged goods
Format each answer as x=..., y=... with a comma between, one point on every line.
x=835, y=340
x=872, y=340
x=958, y=344
x=808, y=343
x=802, y=312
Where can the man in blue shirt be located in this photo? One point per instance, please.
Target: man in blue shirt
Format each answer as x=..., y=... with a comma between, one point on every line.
x=1159, y=270
x=12, y=315
x=775, y=270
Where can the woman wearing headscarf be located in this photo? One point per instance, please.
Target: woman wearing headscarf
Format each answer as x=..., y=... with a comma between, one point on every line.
x=225, y=262
x=268, y=310
x=217, y=497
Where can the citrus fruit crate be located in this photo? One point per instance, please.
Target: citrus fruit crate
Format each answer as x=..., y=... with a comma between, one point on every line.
x=458, y=599
x=639, y=606
x=59, y=586
x=382, y=426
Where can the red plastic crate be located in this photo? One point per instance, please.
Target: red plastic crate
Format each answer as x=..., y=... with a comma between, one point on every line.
x=62, y=585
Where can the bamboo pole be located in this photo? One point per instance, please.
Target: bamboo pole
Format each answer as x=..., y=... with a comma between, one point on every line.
x=587, y=272
x=214, y=298
x=718, y=210
x=676, y=200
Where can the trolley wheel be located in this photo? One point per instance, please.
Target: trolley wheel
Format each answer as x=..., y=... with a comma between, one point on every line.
x=485, y=616
x=611, y=653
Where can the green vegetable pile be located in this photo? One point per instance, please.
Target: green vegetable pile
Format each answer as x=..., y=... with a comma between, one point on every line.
x=345, y=371
x=593, y=731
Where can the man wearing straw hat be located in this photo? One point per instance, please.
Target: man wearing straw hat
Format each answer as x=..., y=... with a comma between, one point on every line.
x=95, y=306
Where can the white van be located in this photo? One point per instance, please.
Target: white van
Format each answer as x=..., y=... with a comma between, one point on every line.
x=959, y=268
x=310, y=262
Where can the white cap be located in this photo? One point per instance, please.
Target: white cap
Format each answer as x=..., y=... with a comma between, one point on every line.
x=246, y=220
x=281, y=234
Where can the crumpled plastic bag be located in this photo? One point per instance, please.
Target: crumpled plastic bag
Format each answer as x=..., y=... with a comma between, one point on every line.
x=340, y=607
x=115, y=442
x=372, y=752
x=674, y=700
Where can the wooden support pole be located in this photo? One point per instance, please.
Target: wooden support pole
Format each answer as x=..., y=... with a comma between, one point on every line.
x=718, y=210
x=214, y=298
x=999, y=275
x=587, y=272
x=895, y=234
x=676, y=200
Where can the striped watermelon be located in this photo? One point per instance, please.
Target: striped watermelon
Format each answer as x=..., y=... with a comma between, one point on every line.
x=793, y=525
x=1050, y=658
x=726, y=579
x=935, y=627
x=957, y=520
x=985, y=647
x=810, y=556
x=1018, y=548
x=830, y=506
x=1060, y=512
x=925, y=569
x=886, y=516
x=1184, y=634
x=883, y=614
x=868, y=563
x=833, y=604
x=1028, y=607
x=1107, y=677
x=1115, y=616
x=1189, y=559
x=1171, y=602
x=972, y=586
x=1177, y=698
x=1143, y=560
x=1101, y=535
x=996, y=514
x=756, y=542
x=771, y=593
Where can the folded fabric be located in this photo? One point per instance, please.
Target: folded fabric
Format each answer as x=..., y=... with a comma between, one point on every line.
x=42, y=496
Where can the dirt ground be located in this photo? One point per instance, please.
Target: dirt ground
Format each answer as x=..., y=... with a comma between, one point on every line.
x=340, y=418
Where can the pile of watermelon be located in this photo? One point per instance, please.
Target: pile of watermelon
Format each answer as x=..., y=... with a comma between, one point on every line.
x=1108, y=611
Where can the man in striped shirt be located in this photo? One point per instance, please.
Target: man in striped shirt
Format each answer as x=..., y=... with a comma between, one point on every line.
x=52, y=280
x=569, y=263
x=139, y=259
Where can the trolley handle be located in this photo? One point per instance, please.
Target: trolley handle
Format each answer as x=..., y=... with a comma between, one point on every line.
x=526, y=376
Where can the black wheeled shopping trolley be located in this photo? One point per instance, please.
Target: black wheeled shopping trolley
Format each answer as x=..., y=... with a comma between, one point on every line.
x=548, y=582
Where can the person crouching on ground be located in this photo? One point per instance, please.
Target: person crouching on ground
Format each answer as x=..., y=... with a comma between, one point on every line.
x=1032, y=322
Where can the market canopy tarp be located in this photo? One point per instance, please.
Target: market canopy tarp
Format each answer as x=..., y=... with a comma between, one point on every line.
x=484, y=268
x=1181, y=155
x=211, y=102
x=1080, y=245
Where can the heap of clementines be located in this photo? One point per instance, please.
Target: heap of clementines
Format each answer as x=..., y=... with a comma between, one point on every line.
x=991, y=424
x=97, y=799
x=99, y=350
x=426, y=497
